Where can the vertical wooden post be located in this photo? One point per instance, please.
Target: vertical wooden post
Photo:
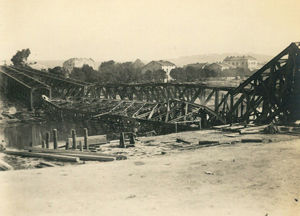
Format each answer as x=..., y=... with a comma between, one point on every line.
x=43, y=143
x=132, y=141
x=55, y=138
x=122, y=140
x=67, y=145
x=47, y=139
x=73, y=132
x=80, y=146
x=86, y=138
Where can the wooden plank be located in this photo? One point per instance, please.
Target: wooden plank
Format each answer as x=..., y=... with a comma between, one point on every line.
x=47, y=164
x=5, y=166
x=42, y=155
x=251, y=140
x=221, y=126
x=90, y=157
x=249, y=131
x=59, y=151
x=181, y=140
x=205, y=142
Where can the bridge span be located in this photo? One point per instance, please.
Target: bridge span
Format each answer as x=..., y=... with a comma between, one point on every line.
x=271, y=92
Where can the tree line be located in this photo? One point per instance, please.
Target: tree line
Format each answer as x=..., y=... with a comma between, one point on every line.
x=111, y=72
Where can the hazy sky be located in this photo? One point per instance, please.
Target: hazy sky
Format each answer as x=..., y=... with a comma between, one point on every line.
x=124, y=30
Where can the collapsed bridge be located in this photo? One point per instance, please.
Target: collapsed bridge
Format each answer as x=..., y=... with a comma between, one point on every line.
x=272, y=92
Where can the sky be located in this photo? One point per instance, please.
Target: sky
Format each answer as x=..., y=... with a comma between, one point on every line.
x=124, y=30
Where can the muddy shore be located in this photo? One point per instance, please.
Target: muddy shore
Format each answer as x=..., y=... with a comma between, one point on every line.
x=239, y=179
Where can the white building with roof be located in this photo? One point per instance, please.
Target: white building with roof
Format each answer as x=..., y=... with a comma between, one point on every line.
x=242, y=61
x=159, y=65
x=78, y=62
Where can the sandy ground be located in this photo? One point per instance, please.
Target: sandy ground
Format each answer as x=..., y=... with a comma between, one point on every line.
x=237, y=179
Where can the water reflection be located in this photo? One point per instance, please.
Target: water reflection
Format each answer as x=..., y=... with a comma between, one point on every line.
x=21, y=135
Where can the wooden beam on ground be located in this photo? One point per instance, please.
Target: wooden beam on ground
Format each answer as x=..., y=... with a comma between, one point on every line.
x=5, y=166
x=42, y=155
x=60, y=151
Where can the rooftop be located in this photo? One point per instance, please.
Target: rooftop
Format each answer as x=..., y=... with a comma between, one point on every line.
x=238, y=58
x=165, y=63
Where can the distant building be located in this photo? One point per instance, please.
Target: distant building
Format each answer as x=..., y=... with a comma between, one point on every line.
x=2, y=62
x=196, y=65
x=138, y=64
x=78, y=62
x=37, y=66
x=218, y=66
x=159, y=65
x=242, y=61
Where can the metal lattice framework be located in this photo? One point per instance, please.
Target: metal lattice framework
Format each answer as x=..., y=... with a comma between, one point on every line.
x=273, y=91
x=21, y=86
x=61, y=87
x=150, y=92
x=173, y=111
x=157, y=92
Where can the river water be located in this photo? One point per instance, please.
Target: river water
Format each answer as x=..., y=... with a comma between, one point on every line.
x=21, y=135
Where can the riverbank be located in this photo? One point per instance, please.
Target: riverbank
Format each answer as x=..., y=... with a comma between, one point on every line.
x=239, y=179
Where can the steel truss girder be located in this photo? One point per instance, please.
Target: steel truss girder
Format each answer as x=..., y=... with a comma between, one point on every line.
x=171, y=112
x=273, y=91
x=20, y=86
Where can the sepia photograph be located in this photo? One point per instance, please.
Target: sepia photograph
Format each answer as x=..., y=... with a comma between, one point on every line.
x=149, y=107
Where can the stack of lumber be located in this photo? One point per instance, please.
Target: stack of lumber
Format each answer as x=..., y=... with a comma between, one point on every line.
x=63, y=155
x=242, y=129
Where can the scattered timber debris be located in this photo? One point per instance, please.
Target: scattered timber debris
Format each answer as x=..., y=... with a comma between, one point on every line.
x=48, y=164
x=271, y=129
x=183, y=141
x=251, y=140
x=42, y=155
x=209, y=142
x=5, y=166
x=232, y=135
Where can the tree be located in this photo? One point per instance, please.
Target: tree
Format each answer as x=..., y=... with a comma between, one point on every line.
x=107, y=64
x=178, y=74
x=60, y=71
x=191, y=74
x=148, y=76
x=20, y=58
x=78, y=74
x=159, y=76
x=90, y=74
x=111, y=72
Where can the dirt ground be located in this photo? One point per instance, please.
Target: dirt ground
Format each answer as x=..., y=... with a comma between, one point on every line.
x=165, y=177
